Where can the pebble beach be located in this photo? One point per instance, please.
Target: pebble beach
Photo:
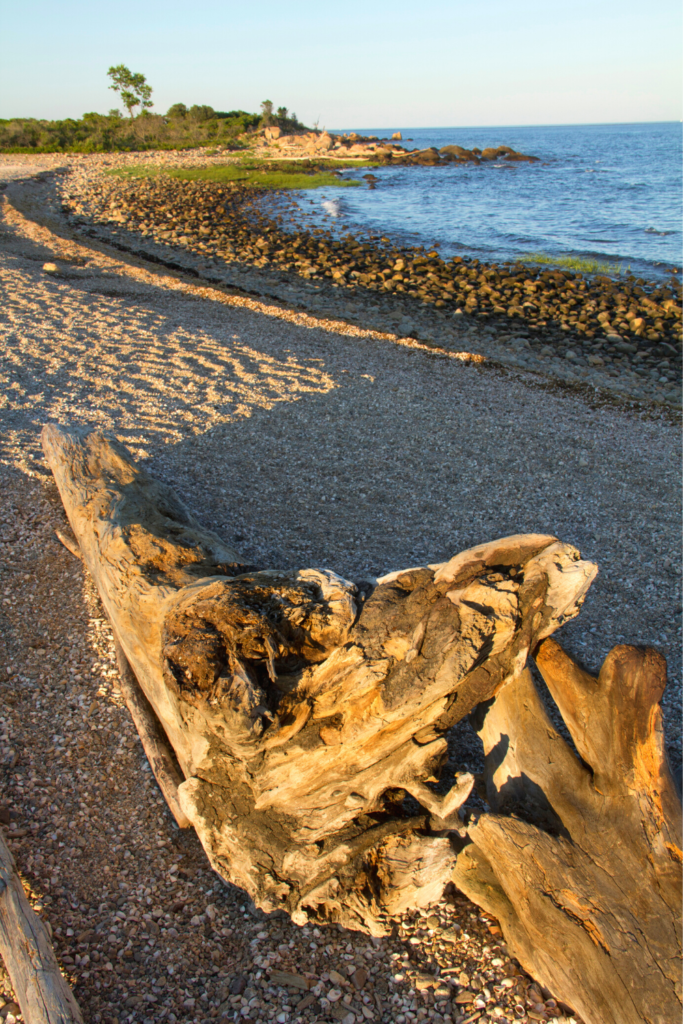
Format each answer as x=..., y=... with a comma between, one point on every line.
x=311, y=420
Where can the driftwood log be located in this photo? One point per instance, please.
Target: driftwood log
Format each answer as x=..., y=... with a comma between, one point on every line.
x=43, y=993
x=154, y=741
x=580, y=860
x=153, y=738
x=301, y=707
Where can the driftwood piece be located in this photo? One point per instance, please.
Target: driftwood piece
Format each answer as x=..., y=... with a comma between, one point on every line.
x=153, y=739
x=42, y=992
x=585, y=878
x=300, y=706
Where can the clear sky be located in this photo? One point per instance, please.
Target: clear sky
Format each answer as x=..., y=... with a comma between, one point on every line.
x=356, y=64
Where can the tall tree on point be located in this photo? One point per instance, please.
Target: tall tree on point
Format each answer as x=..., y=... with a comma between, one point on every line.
x=133, y=88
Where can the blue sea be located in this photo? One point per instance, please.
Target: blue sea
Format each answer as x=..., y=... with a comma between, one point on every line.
x=611, y=192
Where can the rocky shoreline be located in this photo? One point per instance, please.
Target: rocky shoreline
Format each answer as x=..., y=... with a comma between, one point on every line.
x=620, y=335
x=384, y=151
x=302, y=440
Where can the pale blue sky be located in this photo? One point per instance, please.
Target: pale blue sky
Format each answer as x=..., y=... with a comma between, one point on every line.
x=386, y=63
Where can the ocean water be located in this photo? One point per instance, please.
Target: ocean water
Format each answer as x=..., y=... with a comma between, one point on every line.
x=611, y=192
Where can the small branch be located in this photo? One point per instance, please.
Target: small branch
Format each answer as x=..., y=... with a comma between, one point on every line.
x=44, y=996
x=152, y=737
x=70, y=543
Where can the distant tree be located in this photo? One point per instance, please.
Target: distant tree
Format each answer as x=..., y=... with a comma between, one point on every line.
x=132, y=88
x=114, y=112
x=201, y=112
x=282, y=113
x=267, y=112
x=177, y=110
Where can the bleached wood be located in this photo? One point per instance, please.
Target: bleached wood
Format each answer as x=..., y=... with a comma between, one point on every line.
x=154, y=742
x=41, y=991
x=581, y=858
x=302, y=708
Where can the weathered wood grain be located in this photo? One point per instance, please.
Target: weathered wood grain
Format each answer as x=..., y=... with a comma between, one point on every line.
x=154, y=742
x=42, y=992
x=301, y=707
x=581, y=858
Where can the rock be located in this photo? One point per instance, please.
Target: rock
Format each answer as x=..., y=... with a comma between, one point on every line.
x=595, y=361
x=433, y=921
x=334, y=995
x=50, y=268
x=457, y=151
x=359, y=978
x=287, y=979
x=304, y=1003
x=424, y=981
x=337, y=979
x=397, y=137
x=426, y=156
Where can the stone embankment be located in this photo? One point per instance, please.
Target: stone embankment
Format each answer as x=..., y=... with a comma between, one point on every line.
x=370, y=147
x=624, y=335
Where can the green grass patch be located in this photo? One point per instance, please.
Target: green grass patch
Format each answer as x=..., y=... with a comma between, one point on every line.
x=578, y=264
x=292, y=174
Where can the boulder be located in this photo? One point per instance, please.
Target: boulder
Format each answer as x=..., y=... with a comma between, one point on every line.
x=456, y=151
x=426, y=156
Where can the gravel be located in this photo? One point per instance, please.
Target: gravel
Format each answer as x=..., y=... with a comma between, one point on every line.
x=304, y=440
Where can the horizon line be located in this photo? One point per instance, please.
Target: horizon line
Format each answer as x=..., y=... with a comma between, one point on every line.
x=558, y=124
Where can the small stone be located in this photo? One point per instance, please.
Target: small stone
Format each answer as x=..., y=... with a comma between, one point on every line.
x=334, y=995
x=50, y=268
x=337, y=979
x=583, y=463
x=595, y=360
x=359, y=978
x=238, y=985
x=433, y=921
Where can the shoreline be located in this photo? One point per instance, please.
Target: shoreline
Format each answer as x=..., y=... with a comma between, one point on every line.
x=303, y=438
x=620, y=336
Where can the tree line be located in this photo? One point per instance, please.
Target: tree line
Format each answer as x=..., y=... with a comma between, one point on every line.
x=181, y=127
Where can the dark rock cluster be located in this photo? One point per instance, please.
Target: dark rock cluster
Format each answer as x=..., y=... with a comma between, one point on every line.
x=459, y=155
x=639, y=320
